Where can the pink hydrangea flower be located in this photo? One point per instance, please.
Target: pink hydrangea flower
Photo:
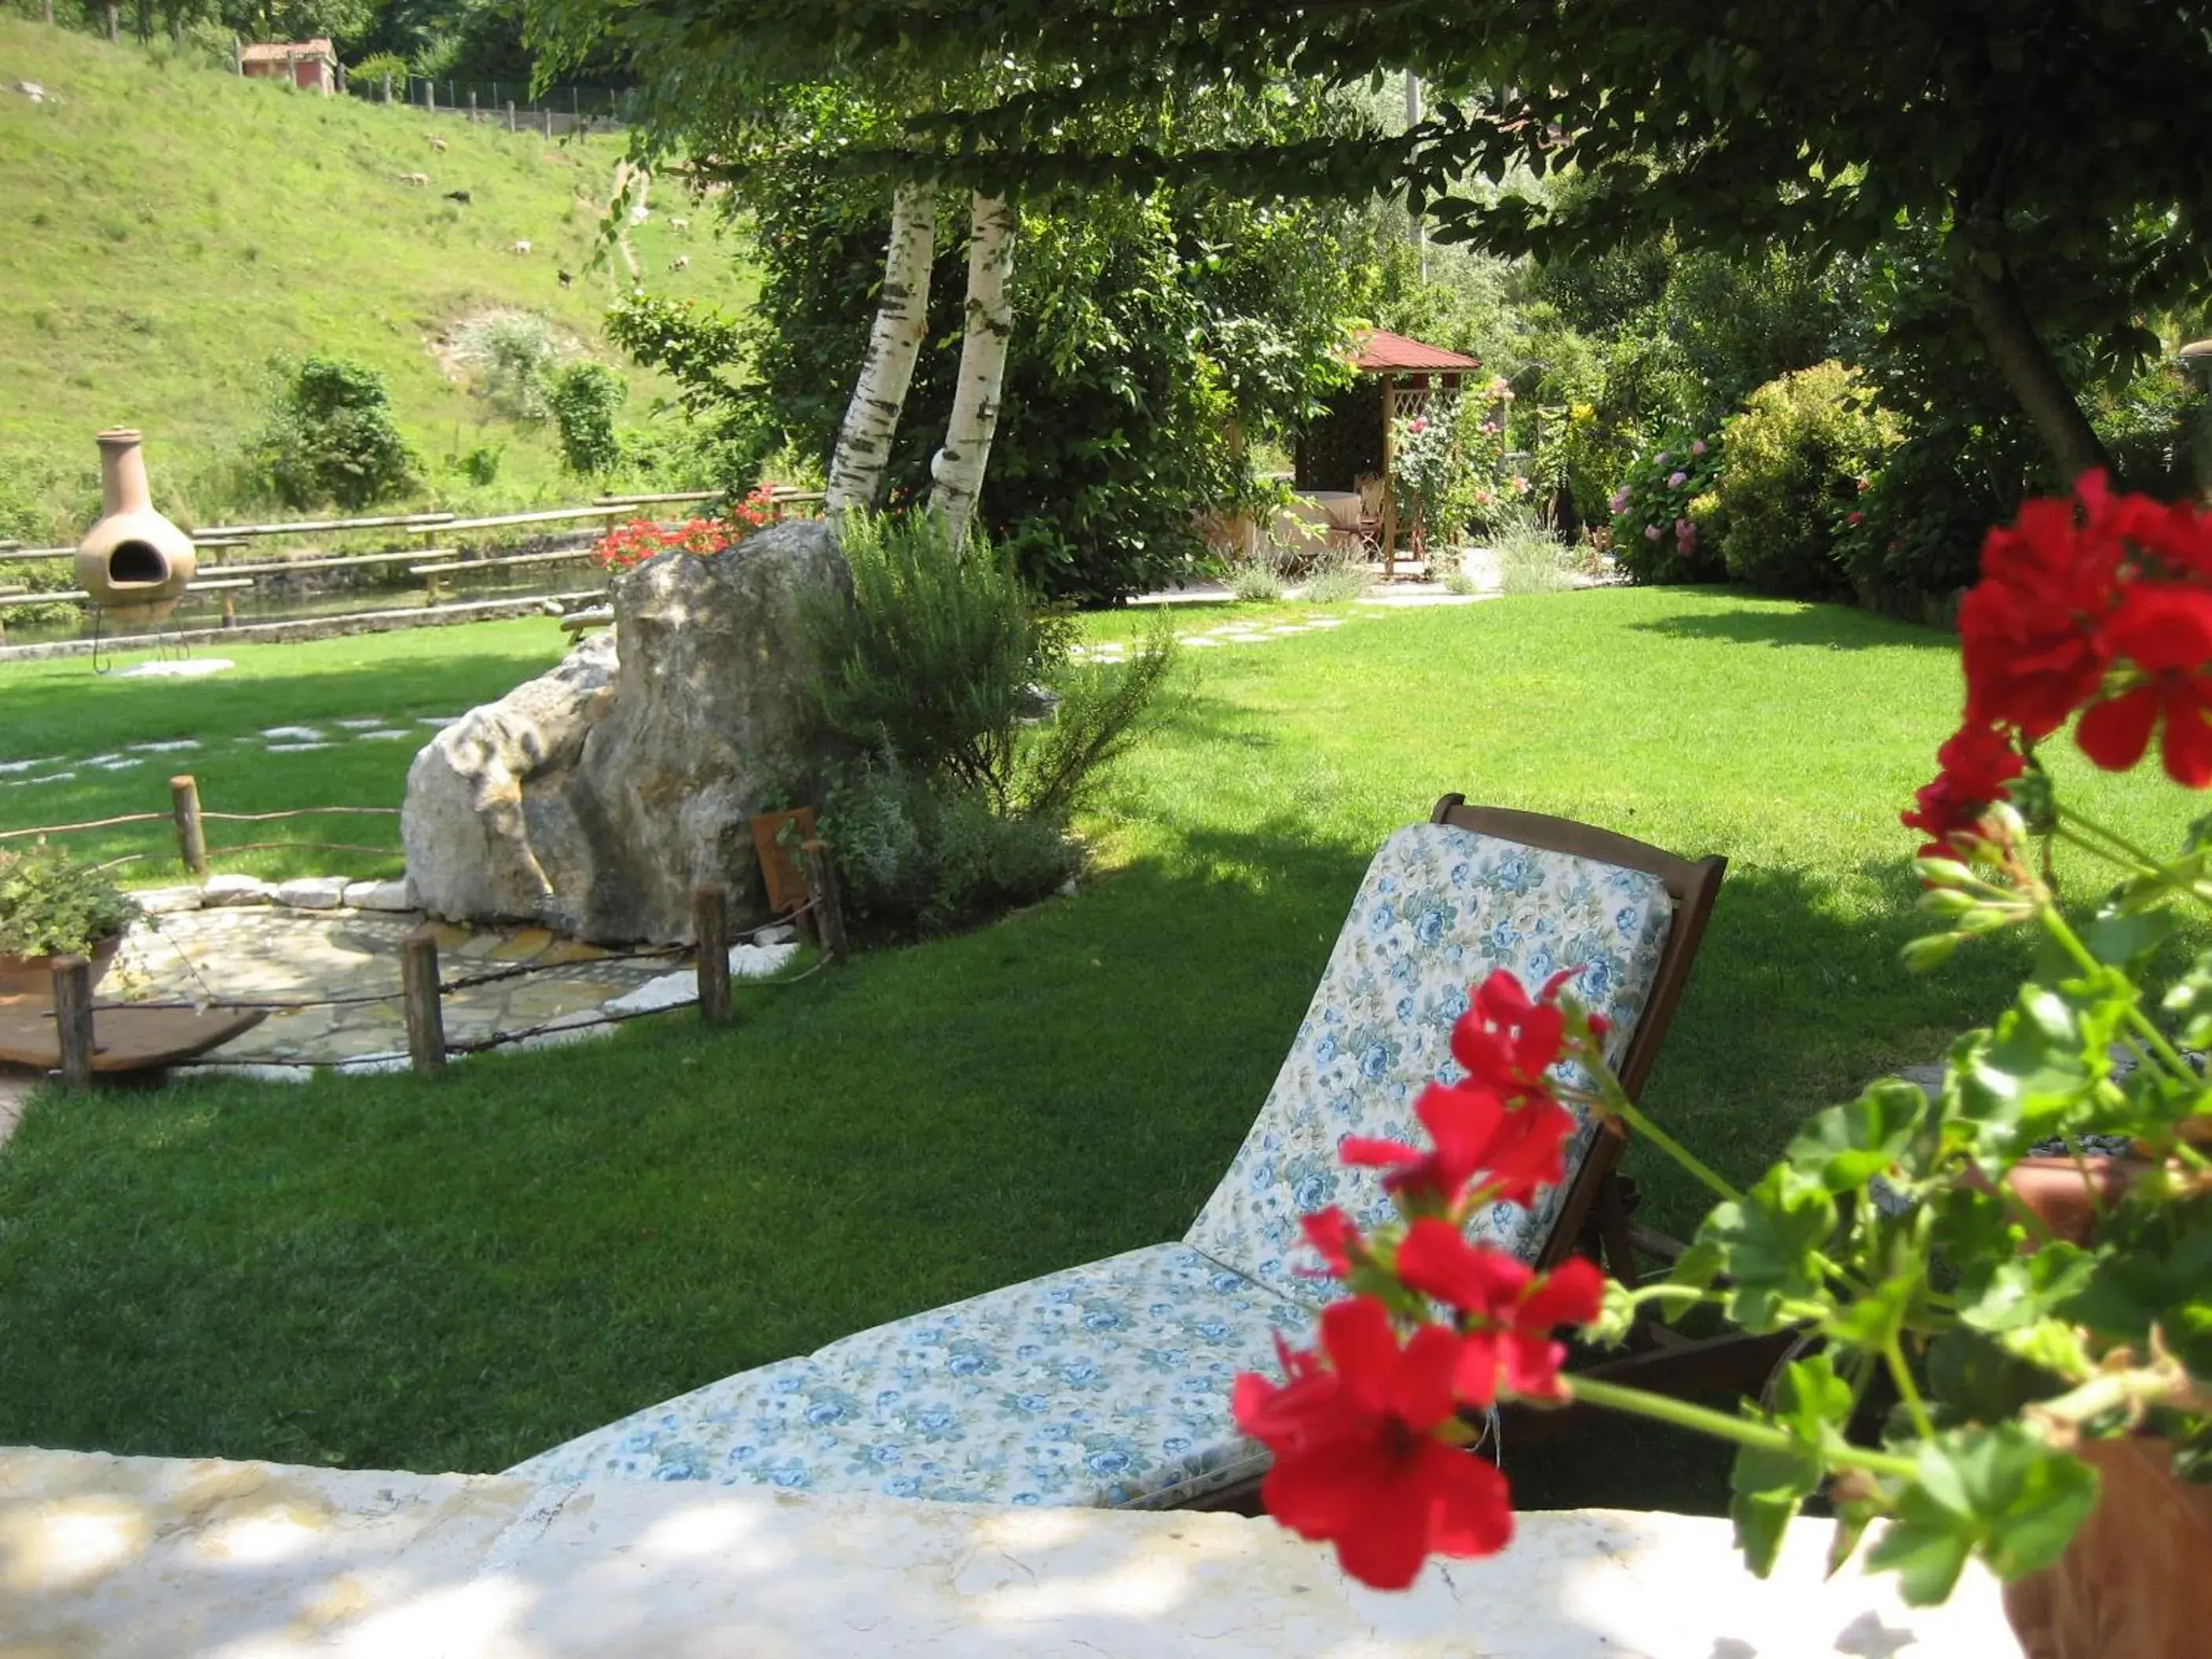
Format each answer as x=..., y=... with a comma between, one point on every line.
x=1621, y=498
x=1676, y=480
x=1664, y=459
x=1651, y=532
x=1697, y=447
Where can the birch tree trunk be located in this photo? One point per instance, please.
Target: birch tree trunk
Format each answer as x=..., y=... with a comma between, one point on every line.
x=864, y=446
x=958, y=468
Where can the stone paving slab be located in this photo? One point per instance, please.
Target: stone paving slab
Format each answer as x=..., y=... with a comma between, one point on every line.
x=351, y=959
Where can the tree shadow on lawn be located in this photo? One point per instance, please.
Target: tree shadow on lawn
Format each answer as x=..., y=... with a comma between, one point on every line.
x=458, y=1272
x=1831, y=627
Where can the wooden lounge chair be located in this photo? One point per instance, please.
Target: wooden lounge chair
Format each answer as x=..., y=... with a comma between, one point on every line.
x=1108, y=1384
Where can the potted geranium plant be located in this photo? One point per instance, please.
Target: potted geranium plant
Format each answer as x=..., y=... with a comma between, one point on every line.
x=2041, y=1316
x=51, y=906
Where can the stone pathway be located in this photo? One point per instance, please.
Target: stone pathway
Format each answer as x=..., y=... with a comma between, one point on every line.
x=274, y=741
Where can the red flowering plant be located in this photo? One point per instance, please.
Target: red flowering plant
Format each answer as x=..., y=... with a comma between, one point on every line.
x=1957, y=1347
x=640, y=539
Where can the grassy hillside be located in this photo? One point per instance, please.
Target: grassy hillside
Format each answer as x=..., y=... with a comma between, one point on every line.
x=171, y=227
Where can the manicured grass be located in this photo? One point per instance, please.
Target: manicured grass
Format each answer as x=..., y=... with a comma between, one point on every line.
x=171, y=228
x=62, y=710
x=456, y=1273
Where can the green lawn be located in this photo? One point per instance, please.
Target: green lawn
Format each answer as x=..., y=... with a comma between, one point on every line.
x=456, y=1272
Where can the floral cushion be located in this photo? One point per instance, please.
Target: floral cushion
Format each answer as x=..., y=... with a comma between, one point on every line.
x=1439, y=909
x=1103, y=1385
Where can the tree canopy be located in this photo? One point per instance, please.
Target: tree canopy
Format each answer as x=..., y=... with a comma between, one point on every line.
x=2050, y=148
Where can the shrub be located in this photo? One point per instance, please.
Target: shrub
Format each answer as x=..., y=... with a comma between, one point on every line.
x=1337, y=581
x=1255, y=580
x=583, y=397
x=50, y=905
x=980, y=732
x=914, y=858
x=515, y=354
x=1797, y=460
x=330, y=437
x=1530, y=559
x=1664, y=514
x=370, y=70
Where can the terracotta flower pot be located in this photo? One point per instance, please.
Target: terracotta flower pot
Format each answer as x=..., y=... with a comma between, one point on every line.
x=2137, y=1581
x=776, y=838
x=133, y=556
x=34, y=976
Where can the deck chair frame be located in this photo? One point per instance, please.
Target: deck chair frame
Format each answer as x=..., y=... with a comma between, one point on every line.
x=1596, y=1219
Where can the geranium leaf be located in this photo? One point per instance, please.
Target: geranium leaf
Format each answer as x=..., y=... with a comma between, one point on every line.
x=1846, y=1146
x=1768, y=1242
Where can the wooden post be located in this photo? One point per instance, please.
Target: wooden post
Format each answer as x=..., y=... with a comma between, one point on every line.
x=548, y=114
x=510, y=115
x=387, y=88
x=826, y=909
x=710, y=921
x=230, y=610
x=1389, y=484
x=192, y=839
x=426, y=1016
x=114, y=23
x=46, y=12
x=472, y=107
x=73, y=1020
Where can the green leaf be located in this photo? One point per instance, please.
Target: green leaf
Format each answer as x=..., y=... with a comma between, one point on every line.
x=1768, y=1242
x=1998, y=1490
x=1973, y=1379
x=2021, y=1289
x=1846, y=1146
x=2123, y=938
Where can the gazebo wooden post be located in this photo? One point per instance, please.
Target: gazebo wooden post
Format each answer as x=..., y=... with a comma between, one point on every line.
x=1389, y=484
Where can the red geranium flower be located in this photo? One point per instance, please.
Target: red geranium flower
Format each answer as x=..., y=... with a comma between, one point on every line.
x=1516, y=1149
x=2165, y=631
x=2028, y=631
x=1356, y=1459
x=1330, y=1231
x=1506, y=1042
x=1508, y=1313
x=1977, y=764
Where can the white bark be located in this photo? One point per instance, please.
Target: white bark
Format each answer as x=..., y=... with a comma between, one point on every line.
x=864, y=446
x=958, y=468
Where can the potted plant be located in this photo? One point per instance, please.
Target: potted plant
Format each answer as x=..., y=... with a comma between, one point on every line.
x=51, y=906
x=2040, y=1313
x=777, y=838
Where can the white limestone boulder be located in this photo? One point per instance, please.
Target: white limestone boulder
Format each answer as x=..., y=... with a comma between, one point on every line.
x=595, y=799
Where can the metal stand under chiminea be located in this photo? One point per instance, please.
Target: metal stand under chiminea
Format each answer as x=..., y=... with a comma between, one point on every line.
x=134, y=561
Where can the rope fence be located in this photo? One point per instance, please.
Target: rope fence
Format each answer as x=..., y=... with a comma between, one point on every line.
x=819, y=918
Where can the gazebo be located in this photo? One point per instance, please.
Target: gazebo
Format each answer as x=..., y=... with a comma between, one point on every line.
x=1397, y=379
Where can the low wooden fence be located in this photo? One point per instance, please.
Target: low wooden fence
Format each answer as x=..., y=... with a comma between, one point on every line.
x=442, y=568
x=820, y=918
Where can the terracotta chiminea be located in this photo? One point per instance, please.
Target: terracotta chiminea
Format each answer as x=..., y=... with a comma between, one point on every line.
x=133, y=556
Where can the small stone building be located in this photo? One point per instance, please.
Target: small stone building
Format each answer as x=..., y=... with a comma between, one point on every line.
x=311, y=65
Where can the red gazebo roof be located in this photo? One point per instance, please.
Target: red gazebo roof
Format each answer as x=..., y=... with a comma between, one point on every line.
x=1380, y=351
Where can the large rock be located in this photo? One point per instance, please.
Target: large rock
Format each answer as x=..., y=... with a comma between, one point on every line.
x=596, y=797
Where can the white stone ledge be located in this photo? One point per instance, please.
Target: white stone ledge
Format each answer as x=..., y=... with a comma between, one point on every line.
x=138, y=1558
